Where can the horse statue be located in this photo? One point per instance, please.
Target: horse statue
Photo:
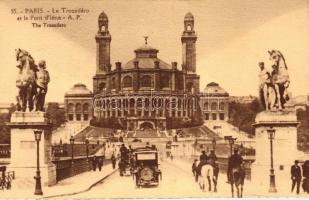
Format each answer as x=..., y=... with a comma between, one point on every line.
x=273, y=86
x=209, y=174
x=25, y=80
x=32, y=81
x=237, y=179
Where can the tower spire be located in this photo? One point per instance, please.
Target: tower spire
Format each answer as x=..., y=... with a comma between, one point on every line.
x=188, y=40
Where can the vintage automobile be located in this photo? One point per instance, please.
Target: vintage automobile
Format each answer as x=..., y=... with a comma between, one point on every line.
x=146, y=170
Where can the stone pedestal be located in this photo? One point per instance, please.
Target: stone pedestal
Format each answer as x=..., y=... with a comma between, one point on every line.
x=284, y=149
x=23, y=149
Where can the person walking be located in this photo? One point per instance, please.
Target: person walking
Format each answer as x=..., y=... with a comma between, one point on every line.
x=194, y=165
x=295, y=176
x=113, y=159
x=305, y=184
x=100, y=163
x=94, y=163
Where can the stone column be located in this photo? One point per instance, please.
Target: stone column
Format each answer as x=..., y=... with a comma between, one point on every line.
x=150, y=107
x=164, y=107
x=122, y=106
x=181, y=107
x=170, y=112
x=23, y=149
x=143, y=107
x=135, y=106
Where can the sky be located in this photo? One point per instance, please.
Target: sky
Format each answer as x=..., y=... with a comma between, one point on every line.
x=233, y=36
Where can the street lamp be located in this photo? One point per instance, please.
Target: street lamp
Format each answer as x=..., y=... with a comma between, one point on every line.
x=72, y=154
x=72, y=147
x=38, y=186
x=231, y=141
x=272, y=185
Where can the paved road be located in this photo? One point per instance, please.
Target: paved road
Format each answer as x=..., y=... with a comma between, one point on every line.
x=176, y=182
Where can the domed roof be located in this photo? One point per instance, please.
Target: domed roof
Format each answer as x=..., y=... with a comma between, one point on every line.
x=79, y=90
x=103, y=16
x=145, y=47
x=147, y=63
x=189, y=16
x=214, y=89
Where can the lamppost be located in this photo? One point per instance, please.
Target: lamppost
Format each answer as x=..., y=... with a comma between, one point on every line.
x=272, y=184
x=38, y=186
x=214, y=143
x=231, y=141
x=72, y=154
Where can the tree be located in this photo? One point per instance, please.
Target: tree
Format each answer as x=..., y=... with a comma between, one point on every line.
x=55, y=115
x=242, y=115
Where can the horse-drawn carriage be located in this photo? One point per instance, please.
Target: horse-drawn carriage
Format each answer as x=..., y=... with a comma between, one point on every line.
x=146, y=171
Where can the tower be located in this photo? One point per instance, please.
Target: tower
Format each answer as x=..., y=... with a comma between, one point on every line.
x=188, y=40
x=103, y=40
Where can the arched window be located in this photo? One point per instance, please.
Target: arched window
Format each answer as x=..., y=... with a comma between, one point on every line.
x=214, y=106
x=70, y=108
x=86, y=111
x=145, y=81
x=78, y=111
x=85, y=108
x=78, y=108
x=102, y=86
x=206, y=106
x=127, y=82
x=221, y=106
x=70, y=111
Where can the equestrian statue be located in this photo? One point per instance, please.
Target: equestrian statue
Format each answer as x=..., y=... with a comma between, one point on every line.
x=32, y=81
x=273, y=85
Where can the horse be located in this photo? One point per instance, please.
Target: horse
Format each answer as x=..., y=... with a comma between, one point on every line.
x=25, y=81
x=237, y=178
x=280, y=79
x=209, y=174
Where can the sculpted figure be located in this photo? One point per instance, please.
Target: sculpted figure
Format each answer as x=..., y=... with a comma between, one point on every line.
x=273, y=86
x=32, y=81
x=42, y=80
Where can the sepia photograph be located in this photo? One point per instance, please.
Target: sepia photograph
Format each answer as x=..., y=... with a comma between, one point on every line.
x=152, y=99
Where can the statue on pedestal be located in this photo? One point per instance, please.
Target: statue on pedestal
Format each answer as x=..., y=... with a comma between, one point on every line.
x=32, y=81
x=273, y=86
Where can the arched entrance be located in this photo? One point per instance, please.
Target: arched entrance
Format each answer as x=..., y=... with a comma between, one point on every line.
x=146, y=125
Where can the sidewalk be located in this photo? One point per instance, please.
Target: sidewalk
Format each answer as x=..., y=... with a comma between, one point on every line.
x=73, y=185
x=250, y=189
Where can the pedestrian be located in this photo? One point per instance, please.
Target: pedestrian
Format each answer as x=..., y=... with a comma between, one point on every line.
x=100, y=163
x=305, y=184
x=194, y=166
x=94, y=163
x=295, y=176
x=113, y=159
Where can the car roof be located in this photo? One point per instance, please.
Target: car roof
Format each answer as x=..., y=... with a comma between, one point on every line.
x=144, y=150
